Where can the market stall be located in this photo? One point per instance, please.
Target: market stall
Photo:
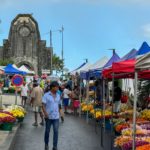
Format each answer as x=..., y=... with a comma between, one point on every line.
x=10, y=69
x=127, y=69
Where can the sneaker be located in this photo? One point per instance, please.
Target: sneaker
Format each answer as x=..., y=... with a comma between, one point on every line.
x=46, y=147
x=35, y=124
x=62, y=119
x=54, y=148
x=42, y=123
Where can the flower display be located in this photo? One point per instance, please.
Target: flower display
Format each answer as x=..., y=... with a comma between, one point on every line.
x=128, y=132
x=123, y=107
x=119, y=141
x=120, y=127
x=128, y=114
x=144, y=147
x=97, y=113
x=6, y=118
x=146, y=114
x=17, y=111
x=139, y=121
x=145, y=126
x=87, y=107
x=128, y=145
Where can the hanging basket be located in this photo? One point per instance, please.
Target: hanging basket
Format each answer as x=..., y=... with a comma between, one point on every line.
x=7, y=126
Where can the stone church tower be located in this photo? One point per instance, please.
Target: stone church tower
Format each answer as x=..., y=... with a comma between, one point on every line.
x=24, y=45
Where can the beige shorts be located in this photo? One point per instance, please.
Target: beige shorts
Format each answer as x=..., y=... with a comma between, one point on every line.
x=37, y=109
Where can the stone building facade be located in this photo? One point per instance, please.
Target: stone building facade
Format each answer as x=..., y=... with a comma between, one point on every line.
x=24, y=45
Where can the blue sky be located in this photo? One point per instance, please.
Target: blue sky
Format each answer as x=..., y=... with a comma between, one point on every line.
x=91, y=27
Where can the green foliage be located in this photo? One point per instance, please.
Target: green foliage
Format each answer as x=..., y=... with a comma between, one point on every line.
x=143, y=92
x=58, y=64
x=5, y=62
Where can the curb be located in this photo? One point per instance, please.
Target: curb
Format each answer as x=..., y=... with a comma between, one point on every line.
x=10, y=140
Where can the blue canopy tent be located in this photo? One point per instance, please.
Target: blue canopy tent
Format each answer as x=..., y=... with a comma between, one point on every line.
x=143, y=49
x=114, y=58
x=72, y=72
x=97, y=72
x=9, y=69
x=132, y=54
x=143, y=57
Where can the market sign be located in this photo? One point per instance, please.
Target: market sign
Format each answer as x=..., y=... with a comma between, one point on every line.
x=17, y=80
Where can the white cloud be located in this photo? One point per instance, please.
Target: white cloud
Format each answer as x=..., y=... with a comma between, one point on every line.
x=146, y=30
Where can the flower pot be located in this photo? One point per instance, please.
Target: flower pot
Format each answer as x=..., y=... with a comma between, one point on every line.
x=20, y=119
x=7, y=126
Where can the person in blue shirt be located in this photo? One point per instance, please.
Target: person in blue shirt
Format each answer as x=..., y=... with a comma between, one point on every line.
x=51, y=107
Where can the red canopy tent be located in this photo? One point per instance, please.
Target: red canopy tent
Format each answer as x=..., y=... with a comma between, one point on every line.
x=124, y=69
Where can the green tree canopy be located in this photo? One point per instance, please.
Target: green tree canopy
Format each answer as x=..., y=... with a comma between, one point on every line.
x=57, y=63
x=5, y=62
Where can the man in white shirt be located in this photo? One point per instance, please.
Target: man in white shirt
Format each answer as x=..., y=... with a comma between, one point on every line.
x=24, y=94
x=66, y=96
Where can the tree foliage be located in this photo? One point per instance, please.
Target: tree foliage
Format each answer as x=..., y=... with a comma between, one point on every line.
x=5, y=62
x=143, y=92
x=57, y=64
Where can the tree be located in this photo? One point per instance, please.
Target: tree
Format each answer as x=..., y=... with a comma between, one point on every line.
x=143, y=92
x=57, y=64
x=5, y=62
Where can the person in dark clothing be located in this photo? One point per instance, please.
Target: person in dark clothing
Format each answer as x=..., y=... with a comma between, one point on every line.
x=117, y=97
x=98, y=85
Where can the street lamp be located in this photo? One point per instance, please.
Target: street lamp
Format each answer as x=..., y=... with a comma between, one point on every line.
x=62, y=52
x=51, y=46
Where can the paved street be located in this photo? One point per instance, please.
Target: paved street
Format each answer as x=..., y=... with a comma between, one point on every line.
x=74, y=134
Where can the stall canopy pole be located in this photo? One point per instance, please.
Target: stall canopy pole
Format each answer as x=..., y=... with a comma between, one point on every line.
x=16, y=94
x=104, y=103
x=1, y=103
x=87, y=99
x=134, y=112
x=95, y=89
x=80, y=98
x=112, y=111
x=103, y=113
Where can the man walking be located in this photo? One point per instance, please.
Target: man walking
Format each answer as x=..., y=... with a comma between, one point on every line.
x=24, y=94
x=117, y=97
x=36, y=101
x=51, y=107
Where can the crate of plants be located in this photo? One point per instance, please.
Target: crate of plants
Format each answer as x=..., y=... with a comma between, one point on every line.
x=17, y=112
x=7, y=121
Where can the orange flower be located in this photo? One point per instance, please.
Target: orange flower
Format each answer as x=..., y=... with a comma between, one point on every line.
x=144, y=147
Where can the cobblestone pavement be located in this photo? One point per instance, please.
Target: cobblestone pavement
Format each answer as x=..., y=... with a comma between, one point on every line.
x=74, y=134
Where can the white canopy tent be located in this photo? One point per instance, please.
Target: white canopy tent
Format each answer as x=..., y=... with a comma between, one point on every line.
x=85, y=68
x=99, y=64
x=143, y=62
x=87, y=65
x=24, y=68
